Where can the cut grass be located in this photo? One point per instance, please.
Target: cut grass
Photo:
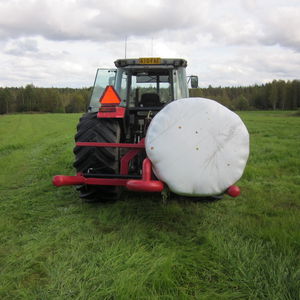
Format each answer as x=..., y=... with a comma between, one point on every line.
x=53, y=246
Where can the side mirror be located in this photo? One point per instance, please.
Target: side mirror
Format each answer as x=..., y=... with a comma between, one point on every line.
x=194, y=82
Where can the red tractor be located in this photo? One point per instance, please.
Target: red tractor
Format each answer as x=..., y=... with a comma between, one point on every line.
x=110, y=141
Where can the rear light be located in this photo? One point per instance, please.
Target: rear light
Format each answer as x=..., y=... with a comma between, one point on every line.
x=104, y=108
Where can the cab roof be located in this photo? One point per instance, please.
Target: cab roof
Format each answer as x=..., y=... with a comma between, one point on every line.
x=147, y=61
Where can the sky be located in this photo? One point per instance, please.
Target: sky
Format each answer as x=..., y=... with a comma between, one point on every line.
x=61, y=43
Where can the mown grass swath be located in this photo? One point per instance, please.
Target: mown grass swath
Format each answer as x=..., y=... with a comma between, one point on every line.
x=53, y=246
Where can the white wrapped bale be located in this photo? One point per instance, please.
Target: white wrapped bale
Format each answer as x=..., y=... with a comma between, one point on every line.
x=197, y=146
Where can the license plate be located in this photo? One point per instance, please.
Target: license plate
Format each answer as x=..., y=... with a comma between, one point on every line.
x=149, y=60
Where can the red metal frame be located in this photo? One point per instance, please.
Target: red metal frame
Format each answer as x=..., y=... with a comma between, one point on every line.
x=140, y=145
x=146, y=184
x=124, y=164
x=61, y=180
x=126, y=159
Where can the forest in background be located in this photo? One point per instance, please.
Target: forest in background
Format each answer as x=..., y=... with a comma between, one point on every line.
x=276, y=95
x=36, y=99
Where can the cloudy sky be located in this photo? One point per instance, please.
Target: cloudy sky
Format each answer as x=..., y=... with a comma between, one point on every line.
x=226, y=42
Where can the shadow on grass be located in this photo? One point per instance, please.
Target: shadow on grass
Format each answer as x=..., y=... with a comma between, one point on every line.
x=146, y=216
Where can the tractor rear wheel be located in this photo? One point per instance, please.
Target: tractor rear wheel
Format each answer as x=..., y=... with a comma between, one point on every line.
x=96, y=159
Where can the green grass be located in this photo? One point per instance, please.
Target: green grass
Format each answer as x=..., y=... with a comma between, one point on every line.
x=53, y=246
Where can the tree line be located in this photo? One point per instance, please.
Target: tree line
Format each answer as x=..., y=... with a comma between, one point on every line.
x=276, y=95
x=35, y=99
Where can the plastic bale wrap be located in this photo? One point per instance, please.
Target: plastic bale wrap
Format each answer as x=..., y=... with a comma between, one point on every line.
x=197, y=147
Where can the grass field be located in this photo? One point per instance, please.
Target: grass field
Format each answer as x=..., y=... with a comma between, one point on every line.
x=53, y=246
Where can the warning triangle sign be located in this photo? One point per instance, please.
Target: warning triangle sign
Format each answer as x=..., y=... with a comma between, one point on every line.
x=110, y=96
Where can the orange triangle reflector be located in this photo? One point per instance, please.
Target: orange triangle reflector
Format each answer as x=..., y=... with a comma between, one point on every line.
x=110, y=96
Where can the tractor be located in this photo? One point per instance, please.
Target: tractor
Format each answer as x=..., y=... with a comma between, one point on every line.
x=141, y=132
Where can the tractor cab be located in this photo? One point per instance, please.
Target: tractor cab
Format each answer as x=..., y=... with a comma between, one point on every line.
x=143, y=84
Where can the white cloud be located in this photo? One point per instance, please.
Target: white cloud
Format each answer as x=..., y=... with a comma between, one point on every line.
x=283, y=26
x=21, y=47
x=61, y=43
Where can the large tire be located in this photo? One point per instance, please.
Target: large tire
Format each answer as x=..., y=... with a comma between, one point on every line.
x=104, y=160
